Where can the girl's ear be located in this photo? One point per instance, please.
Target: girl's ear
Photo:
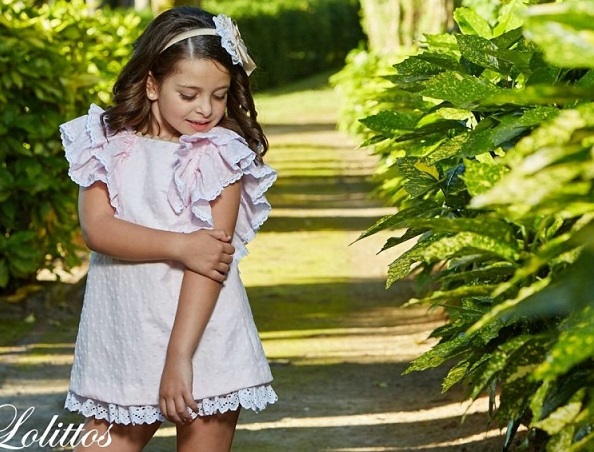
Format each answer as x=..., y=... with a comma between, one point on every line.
x=152, y=88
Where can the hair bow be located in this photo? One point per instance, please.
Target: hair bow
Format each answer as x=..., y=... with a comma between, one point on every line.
x=232, y=42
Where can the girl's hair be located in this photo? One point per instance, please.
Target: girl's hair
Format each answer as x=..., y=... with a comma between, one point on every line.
x=131, y=109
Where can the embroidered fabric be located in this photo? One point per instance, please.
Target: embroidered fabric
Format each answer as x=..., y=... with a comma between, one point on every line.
x=206, y=164
x=256, y=399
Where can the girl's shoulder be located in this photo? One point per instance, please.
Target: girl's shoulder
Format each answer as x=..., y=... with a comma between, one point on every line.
x=88, y=131
x=90, y=149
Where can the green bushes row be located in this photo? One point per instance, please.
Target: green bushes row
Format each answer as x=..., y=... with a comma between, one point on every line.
x=291, y=39
x=54, y=61
x=486, y=139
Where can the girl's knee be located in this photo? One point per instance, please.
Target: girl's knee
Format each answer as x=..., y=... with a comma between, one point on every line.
x=208, y=433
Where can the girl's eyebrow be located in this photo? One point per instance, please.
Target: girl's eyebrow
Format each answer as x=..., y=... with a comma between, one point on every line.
x=198, y=88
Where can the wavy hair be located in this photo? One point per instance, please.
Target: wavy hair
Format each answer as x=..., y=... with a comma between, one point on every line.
x=131, y=107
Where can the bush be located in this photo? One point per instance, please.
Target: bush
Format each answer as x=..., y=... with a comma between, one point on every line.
x=291, y=39
x=54, y=60
x=487, y=154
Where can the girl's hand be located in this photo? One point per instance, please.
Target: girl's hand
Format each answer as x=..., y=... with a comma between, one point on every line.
x=207, y=252
x=175, y=393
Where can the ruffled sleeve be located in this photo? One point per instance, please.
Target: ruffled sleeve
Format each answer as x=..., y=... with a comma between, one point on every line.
x=206, y=164
x=91, y=155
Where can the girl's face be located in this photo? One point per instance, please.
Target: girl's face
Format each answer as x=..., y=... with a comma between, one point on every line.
x=191, y=99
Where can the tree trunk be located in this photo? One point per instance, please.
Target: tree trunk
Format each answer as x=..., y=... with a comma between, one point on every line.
x=394, y=25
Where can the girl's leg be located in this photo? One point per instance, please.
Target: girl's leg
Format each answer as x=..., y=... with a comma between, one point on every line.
x=208, y=433
x=115, y=437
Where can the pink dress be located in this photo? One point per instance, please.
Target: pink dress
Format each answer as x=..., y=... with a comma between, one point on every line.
x=129, y=307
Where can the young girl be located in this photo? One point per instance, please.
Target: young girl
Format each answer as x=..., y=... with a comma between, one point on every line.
x=168, y=175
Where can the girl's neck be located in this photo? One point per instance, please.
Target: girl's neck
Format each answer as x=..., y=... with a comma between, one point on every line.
x=173, y=139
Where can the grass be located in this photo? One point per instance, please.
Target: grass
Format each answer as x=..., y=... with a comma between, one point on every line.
x=311, y=100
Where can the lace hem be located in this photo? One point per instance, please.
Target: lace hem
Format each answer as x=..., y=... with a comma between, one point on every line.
x=255, y=398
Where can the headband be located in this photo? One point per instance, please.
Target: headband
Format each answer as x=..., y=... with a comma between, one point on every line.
x=230, y=40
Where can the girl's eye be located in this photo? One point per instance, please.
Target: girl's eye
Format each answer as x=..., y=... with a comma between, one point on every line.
x=186, y=98
x=220, y=96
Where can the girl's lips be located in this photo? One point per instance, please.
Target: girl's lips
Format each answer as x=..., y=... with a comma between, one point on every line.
x=199, y=126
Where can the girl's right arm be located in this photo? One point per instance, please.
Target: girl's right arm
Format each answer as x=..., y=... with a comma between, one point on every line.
x=207, y=252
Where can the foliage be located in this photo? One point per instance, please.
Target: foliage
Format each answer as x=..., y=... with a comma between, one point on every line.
x=487, y=151
x=292, y=39
x=54, y=61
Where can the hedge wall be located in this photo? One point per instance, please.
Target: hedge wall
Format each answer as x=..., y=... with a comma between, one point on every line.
x=291, y=39
x=52, y=65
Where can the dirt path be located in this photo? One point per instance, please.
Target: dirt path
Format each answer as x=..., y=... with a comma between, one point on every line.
x=337, y=340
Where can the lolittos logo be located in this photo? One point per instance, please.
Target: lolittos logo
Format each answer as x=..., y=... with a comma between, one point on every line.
x=15, y=435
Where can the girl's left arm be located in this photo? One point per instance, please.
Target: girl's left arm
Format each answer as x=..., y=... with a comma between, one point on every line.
x=197, y=300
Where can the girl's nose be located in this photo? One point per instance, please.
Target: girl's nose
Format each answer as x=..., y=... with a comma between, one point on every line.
x=204, y=107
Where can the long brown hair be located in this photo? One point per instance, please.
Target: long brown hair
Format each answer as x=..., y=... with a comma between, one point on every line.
x=131, y=108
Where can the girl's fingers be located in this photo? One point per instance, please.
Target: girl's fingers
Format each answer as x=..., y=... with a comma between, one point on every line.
x=170, y=411
x=191, y=403
x=223, y=268
x=182, y=411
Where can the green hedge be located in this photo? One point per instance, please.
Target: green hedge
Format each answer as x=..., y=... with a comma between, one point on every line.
x=291, y=39
x=486, y=138
x=54, y=61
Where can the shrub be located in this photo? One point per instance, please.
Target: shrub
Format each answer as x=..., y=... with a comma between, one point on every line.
x=489, y=161
x=54, y=60
x=291, y=39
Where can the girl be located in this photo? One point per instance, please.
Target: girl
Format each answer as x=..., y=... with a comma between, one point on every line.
x=168, y=174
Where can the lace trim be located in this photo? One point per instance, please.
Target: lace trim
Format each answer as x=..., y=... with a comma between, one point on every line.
x=255, y=398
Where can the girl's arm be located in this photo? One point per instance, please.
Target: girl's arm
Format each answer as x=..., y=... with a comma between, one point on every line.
x=197, y=300
x=208, y=253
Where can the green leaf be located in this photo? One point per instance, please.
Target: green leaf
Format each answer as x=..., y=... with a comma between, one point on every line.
x=402, y=266
x=499, y=360
x=469, y=242
x=410, y=233
x=564, y=31
x=439, y=354
x=471, y=23
x=391, y=122
x=562, y=416
x=455, y=375
x=440, y=60
x=489, y=227
x=574, y=346
x=421, y=178
x=481, y=52
x=462, y=90
x=510, y=16
x=481, y=177
x=505, y=310
x=400, y=219
x=415, y=66
x=540, y=95
x=508, y=39
x=535, y=188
